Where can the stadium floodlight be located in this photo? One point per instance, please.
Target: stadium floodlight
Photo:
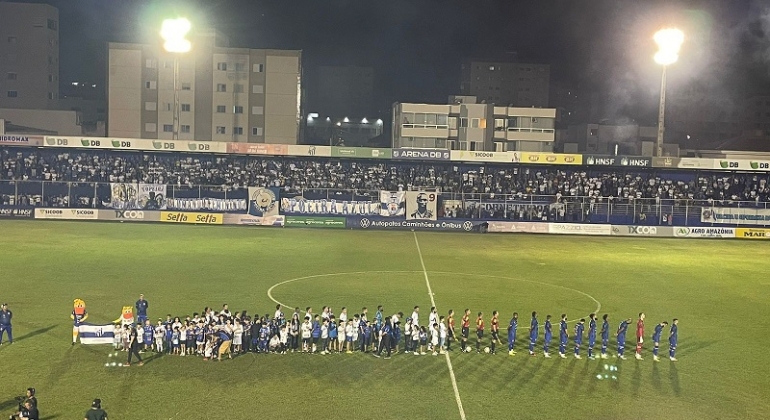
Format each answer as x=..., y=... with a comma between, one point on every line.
x=669, y=42
x=379, y=121
x=173, y=32
x=364, y=121
x=346, y=119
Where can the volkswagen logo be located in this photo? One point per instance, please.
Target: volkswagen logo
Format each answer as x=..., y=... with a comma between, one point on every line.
x=365, y=223
x=467, y=226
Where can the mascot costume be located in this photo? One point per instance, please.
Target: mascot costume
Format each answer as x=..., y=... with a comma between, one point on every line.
x=126, y=317
x=79, y=314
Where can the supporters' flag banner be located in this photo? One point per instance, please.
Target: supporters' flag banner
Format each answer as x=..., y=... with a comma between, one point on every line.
x=263, y=201
x=392, y=204
x=133, y=196
x=331, y=204
x=421, y=205
x=208, y=204
x=96, y=334
x=735, y=216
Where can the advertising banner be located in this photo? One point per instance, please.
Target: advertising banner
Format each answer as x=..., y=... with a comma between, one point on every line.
x=67, y=214
x=518, y=227
x=743, y=165
x=191, y=218
x=320, y=203
x=684, y=163
x=549, y=158
x=392, y=203
x=458, y=225
x=625, y=230
x=129, y=196
x=362, y=152
x=208, y=204
x=20, y=140
x=421, y=154
x=421, y=205
x=315, y=222
x=16, y=212
x=308, y=150
x=257, y=149
x=263, y=201
x=468, y=156
x=136, y=144
x=579, y=229
x=747, y=233
x=130, y=215
x=704, y=232
x=248, y=220
x=735, y=216
x=635, y=161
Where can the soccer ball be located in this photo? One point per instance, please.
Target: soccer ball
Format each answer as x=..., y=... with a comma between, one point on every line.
x=486, y=349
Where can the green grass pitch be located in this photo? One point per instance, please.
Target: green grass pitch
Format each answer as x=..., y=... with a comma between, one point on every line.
x=718, y=289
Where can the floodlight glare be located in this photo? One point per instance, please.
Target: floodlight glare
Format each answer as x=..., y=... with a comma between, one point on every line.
x=364, y=121
x=173, y=32
x=669, y=42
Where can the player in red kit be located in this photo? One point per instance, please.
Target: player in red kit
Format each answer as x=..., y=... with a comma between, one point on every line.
x=639, y=336
x=466, y=324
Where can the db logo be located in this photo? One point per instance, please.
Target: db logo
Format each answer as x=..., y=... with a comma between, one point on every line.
x=365, y=223
x=129, y=214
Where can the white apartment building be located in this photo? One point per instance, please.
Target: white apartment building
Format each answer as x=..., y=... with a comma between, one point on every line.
x=225, y=94
x=466, y=125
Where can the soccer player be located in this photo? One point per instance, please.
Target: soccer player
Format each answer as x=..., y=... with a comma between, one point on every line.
x=547, y=337
x=639, y=336
x=621, y=334
x=605, y=334
x=579, y=336
x=591, y=335
x=495, y=327
x=656, y=339
x=563, y=336
x=512, y=327
x=466, y=326
x=450, y=330
x=533, y=333
x=673, y=337
x=479, y=331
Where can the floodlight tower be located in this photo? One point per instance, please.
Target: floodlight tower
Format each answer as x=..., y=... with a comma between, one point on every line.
x=173, y=32
x=669, y=42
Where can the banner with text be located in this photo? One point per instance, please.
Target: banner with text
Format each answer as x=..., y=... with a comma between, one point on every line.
x=16, y=212
x=518, y=227
x=263, y=201
x=132, y=196
x=339, y=203
x=315, y=222
x=66, y=214
x=421, y=154
x=249, y=220
x=136, y=144
x=129, y=215
x=191, y=218
x=258, y=149
x=624, y=230
x=549, y=158
x=468, y=156
x=745, y=233
x=735, y=216
x=701, y=232
x=392, y=203
x=579, y=229
x=96, y=334
x=309, y=150
x=362, y=152
x=20, y=140
x=421, y=205
x=220, y=205
x=457, y=225
x=684, y=163
x=742, y=165
x=634, y=161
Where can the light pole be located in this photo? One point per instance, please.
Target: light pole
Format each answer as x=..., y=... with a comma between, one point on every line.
x=173, y=32
x=669, y=42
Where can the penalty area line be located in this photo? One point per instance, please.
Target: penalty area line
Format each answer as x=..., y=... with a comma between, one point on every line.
x=446, y=354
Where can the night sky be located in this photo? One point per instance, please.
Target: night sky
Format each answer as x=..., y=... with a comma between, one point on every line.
x=416, y=46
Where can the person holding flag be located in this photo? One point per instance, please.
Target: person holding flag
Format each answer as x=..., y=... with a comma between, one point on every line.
x=78, y=315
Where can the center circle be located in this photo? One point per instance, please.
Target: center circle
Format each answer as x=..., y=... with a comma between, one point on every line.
x=402, y=290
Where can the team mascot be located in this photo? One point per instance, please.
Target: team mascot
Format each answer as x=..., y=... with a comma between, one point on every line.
x=127, y=317
x=79, y=314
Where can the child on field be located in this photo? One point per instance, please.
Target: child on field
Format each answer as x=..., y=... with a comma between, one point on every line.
x=423, y=340
x=118, y=337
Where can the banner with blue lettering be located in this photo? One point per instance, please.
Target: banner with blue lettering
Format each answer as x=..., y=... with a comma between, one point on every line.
x=331, y=203
x=263, y=201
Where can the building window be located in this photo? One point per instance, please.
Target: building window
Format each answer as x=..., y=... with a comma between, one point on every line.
x=150, y=106
x=222, y=66
x=167, y=106
x=499, y=124
x=237, y=109
x=151, y=84
x=474, y=123
x=463, y=123
x=50, y=95
x=168, y=128
x=150, y=127
x=240, y=66
x=256, y=131
x=185, y=107
x=221, y=87
x=258, y=68
x=238, y=130
x=50, y=78
x=185, y=86
x=594, y=132
x=221, y=109
x=257, y=89
x=150, y=63
x=52, y=25
x=185, y=128
x=221, y=130
x=12, y=39
x=11, y=76
x=257, y=110
x=237, y=88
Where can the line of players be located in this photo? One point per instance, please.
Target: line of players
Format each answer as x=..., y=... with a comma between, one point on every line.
x=580, y=328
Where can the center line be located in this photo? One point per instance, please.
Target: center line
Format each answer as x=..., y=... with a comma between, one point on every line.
x=446, y=354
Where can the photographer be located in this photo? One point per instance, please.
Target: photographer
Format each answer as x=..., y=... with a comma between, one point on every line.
x=96, y=412
x=27, y=412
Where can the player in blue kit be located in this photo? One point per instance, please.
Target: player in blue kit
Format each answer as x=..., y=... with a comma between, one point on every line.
x=579, y=327
x=547, y=337
x=533, y=333
x=563, y=336
x=622, y=337
x=591, y=335
x=656, y=340
x=605, y=334
x=673, y=338
x=512, y=327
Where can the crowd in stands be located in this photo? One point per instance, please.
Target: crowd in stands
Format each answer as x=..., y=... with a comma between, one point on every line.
x=295, y=174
